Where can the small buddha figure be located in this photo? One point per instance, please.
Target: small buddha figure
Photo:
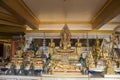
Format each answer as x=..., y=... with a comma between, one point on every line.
x=65, y=41
x=114, y=40
x=110, y=69
x=90, y=61
x=96, y=49
x=102, y=53
x=19, y=52
x=60, y=45
x=78, y=44
x=38, y=53
x=78, y=47
x=69, y=45
x=51, y=46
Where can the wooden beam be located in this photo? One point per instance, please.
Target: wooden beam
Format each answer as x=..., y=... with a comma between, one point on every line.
x=63, y=22
x=72, y=31
x=4, y=28
x=3, y=5
x=113, y=23
x=2, y=22
x=21, y=11
x=117, y=27
x=9, y=18
x=110, y=10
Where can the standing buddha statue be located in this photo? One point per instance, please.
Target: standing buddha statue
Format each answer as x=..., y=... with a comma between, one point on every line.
x=78, y=47
x=51, y=46
x=96, y=49
x=102, y=53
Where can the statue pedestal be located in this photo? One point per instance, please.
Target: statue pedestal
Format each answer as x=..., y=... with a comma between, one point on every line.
x=67, y=55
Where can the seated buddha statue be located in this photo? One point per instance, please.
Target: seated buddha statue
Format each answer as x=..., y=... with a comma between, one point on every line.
x=19, y=52
x=38, y=53
x=51, y=46
x=78, y=44
x=65, y=53
x=65, y=43
x=65, y=38
x=78, y=47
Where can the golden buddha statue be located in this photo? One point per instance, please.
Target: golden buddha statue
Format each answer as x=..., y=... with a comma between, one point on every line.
x=65, y=38
x=38, y=53
x=97, y=45
x=19, y=52
x=78, y=44
x=110, y=69
x=102, y=53
x=51, y=46
x=113, y=40
x=65, y=53
x=78, y=47
x=63, y=67
x=96, y=49
x=90, y=61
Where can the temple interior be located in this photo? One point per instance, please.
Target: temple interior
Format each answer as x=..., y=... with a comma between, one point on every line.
x=59, y=39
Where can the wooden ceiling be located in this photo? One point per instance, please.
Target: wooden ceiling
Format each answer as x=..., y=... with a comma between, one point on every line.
x=20, y=16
